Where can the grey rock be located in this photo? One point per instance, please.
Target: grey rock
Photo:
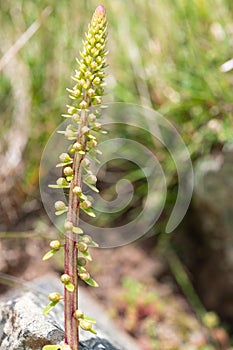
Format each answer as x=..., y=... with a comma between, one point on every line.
x=209, y=233
x=23, y=327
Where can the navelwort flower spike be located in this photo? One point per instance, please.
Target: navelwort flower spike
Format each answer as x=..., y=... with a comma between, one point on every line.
x=86, y=103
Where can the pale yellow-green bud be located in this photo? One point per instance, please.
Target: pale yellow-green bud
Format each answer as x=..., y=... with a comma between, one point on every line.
x=91, y=92
x=77, y=146
x=86, y=239
x=83, y=104
x=92, y=143
x=82, y=246
x=59, y=205
x=85, y=204
x=78, y=314
x=65, y=278
x=68, y=171
x=61, y=181
x=84, y=276
x=85, y=130
x=82, y=261
x=92, y=179
x=77, y=190
x=55, y=245
x=64, y=157
x=85, y=325
x=86, y=162
x=71, y=110
x=55, y=297
x=68, y=225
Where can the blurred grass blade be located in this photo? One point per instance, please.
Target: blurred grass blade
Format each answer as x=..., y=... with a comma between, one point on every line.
x=23, y=39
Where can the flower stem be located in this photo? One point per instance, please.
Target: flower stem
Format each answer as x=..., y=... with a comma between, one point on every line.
x=71, y=251
x=87, y=99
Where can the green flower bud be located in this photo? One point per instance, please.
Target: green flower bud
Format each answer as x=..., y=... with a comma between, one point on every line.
x=55, y=245
x=83, y=104
x=59, y=205
x=97, y=100
x=86, y=239
x=91, y=92
x=85, y=130
x=62, y=181
x=78, y=314
x=69, y=133
x=97, y=81
x=85, y=204
x=92, y=143
x=68, y=225
x=97, y=126
x=82, y=246
x=99, y=59
x=100, y=91
x=68, y=171
x=92, y=117
x=85, y=325
x=64, y=157
x=88, y=74
x=210, y=319
x=83, y=67
x=94, y=51
x=94, y=65
x=92, y=179
x=65, y=278
x=77, y=146
x=77, y=190
x=87, y=85
x=55, y=297
x=81, y=82
x=76, y=117
x=86, y=162
x=82, y=261
x=84, y=275
x=78, y=74
x=76, y=93
x=71, y=110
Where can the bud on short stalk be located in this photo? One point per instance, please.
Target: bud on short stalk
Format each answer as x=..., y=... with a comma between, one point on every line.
x=68, y=171
x=77, y=190
x=78, y=314
x=54, y=297
x=59, y=205
x=84, y=276
x=65, y=278
x=86, y=239
x=82, y=261
x=68, y=225
x=55, y=245
x=82, y=246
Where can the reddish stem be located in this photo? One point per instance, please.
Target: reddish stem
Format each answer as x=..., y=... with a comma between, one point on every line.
x=71, y=252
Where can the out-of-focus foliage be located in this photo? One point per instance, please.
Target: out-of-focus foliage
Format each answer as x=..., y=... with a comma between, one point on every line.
x=166, y=55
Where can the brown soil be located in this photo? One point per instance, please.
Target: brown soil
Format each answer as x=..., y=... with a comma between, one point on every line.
x=136, y=289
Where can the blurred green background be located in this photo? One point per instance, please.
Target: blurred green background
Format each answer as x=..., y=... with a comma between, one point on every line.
x=165, y=55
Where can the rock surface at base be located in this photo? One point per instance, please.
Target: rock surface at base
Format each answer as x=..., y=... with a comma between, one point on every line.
x=23, y=327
